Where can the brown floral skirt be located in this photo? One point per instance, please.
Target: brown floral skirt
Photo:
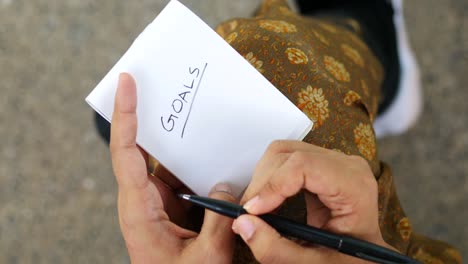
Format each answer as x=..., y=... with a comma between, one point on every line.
x=332, y=76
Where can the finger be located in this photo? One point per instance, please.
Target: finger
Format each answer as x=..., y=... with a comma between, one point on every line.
x=268, y=246
x=332, y=177
x=278, y=188
x=140, y=204
x=262, y=174
x=317, y=213
x=275, y=156
x=217, y=228
x=128, y=162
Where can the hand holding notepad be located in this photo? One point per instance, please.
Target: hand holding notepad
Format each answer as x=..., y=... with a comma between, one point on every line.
x=203, y=111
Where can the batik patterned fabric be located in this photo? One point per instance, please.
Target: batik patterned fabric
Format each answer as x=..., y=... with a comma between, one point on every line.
x=327, y=71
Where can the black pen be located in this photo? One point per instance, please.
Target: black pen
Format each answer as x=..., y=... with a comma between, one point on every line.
x=344, y=244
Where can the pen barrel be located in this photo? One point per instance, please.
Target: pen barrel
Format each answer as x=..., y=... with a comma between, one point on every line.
x=290, y=228
x=347, y=245
x=365, y=250
x=344, y=244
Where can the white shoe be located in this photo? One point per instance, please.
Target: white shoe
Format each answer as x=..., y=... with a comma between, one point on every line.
x=405, y=109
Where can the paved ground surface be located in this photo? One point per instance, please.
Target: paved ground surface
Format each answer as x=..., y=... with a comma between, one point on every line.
x=57, y=192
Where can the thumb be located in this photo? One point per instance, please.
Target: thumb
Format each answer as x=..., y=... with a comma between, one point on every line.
x=267, y=245
x=217, y=228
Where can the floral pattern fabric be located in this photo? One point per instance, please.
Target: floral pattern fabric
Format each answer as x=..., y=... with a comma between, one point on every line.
x=313, y=103
x=323, y=68
x=328, y=72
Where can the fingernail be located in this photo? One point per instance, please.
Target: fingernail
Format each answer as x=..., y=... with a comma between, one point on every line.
x=249, y=205
x=223, y=187
x=121, y=76
x=244, y=227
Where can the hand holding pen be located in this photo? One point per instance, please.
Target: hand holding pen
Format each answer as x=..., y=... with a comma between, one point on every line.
x=341, y=197
x=345, y=201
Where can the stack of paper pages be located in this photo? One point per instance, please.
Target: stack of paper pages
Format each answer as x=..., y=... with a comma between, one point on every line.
x=203, y=111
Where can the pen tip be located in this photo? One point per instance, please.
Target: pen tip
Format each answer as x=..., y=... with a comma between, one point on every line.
x=184, y=196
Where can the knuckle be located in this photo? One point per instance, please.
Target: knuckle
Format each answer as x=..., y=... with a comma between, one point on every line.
x=299, y=158
x=274, y=187
x=372, y=186
x=365, y=174
x=223, y=195
x=297, y=163
x=363, y=166
x=278, y=146
x=287, y=182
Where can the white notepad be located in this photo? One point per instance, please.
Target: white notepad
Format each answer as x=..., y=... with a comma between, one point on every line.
x=203, y=111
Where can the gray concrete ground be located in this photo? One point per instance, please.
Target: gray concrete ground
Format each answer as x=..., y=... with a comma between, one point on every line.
x=57, y=191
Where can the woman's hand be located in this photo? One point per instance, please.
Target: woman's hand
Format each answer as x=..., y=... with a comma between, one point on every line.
x=341, y=197
x=148, y=206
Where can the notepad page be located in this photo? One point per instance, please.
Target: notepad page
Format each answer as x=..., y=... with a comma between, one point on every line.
x=203, y=111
